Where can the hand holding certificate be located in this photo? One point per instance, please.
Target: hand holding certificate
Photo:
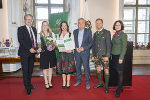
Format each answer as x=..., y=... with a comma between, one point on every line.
x=60, y=44
x=65, y=44
x=69, y=44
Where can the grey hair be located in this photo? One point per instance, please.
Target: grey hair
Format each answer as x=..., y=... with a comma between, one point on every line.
x=81, y=19
x=28, y=15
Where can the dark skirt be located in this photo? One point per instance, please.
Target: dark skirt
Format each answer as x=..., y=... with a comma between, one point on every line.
x=65, y=63
x=47, y=59
x=115, y=63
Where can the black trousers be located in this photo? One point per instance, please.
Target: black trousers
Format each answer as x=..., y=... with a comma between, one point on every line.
x=119, y=69
x=27, y=63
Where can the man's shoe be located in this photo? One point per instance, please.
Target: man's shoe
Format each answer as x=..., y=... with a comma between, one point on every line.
x=33, y=87
x=87, y=86
x=98, y=86
x=106, y=90
x=117, y=94
x=77, y=83
x=29, y=92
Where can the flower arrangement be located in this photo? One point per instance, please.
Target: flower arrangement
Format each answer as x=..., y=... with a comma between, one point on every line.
x=137, y=46
x=148, y=45
x=88, y=24
x=7, y=43
x=49, y=45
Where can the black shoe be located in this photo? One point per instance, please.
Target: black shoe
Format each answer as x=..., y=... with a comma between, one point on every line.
x=117, y=94
x=67, y=87
x=98, y=86
x=118, y=90
x=50, y=86
x=63, y=87
x=33, y=87
x=29, y=92
x=47, y=87
x=106, y=90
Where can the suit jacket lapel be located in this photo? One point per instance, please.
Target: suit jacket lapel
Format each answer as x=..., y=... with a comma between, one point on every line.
x=35, y=34
x=83, y=36
x=27, y=33
x=77, y=38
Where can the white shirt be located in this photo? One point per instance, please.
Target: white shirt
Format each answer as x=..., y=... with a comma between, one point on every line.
x=80, y=37
x=32, y=34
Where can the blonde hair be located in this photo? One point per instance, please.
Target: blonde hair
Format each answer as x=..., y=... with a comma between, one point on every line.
x=49, y=30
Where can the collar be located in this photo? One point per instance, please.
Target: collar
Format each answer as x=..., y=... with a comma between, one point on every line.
x=100, y=30
x=28, y=27
x=81, y=30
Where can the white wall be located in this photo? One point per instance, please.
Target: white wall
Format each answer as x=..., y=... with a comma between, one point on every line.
x=9, y=15
x=13, y=17
x=108, y=10
x=4, y=21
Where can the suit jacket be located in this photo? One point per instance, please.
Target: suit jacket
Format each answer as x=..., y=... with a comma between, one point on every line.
x=25, y=40
x=102, y=43
x=119, y=45
x=86, y=42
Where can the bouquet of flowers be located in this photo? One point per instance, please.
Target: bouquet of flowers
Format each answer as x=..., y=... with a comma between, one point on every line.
x=88, y=24
x=148, y=45
x=49, y=45
x=7, y=43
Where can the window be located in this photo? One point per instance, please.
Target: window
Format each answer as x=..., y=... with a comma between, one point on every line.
x=45, y=7
x=137, y=20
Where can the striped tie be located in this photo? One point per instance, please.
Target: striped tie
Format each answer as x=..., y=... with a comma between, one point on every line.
x=31, y=36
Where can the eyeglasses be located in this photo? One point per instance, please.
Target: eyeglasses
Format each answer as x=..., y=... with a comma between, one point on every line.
x=28, y=19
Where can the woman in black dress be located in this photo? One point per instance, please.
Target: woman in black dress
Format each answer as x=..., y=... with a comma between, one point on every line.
x=47, y=56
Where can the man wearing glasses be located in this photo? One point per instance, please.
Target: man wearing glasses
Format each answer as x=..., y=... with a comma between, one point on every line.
x=27, y=38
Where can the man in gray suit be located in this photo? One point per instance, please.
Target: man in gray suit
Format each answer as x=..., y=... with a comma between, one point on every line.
x=83, y=42
x=101, y=53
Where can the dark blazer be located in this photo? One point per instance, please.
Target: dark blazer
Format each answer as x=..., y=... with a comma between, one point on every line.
x=25, y=40
x=102, y=44
x=119, y=45
x=87, y=40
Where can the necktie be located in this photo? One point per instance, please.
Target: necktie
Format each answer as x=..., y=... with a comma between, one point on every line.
x=31, y=36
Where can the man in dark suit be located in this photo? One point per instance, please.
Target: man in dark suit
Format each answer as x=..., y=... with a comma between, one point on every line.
x=83, y=42
x=101, y=52
x=27, y=38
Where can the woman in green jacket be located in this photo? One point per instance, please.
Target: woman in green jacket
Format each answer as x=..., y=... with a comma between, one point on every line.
x=119, y=47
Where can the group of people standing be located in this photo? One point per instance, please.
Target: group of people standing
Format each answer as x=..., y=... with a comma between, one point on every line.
x=69, y=61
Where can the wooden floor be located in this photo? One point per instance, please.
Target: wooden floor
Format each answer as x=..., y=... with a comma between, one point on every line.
x=136, y=70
